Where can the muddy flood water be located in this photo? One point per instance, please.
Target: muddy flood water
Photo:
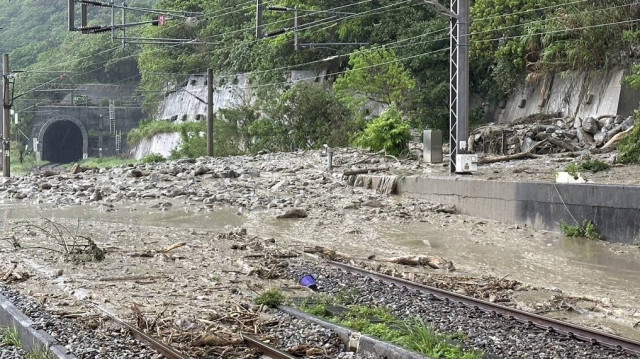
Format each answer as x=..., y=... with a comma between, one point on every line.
x=605, y=278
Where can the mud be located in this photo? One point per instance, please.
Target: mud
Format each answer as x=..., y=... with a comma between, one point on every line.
x=600, y=279
x=587, y=282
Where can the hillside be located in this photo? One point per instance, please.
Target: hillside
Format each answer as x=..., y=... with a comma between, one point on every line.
x=385, y=51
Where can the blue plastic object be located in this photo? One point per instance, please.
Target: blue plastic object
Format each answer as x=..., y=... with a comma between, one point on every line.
x=309, y=282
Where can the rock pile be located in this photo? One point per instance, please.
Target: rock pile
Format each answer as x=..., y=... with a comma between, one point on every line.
x=545, y=134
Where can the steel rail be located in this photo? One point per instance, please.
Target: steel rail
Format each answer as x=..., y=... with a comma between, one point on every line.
x=574, y=331
x=157, y=345
x=265, y=348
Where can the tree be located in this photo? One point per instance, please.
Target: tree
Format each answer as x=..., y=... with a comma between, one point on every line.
x=315, y=116
x=376, y=76
x=389, y=132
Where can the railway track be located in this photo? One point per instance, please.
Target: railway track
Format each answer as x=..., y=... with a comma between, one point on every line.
x=169, y=352
x=572, y=331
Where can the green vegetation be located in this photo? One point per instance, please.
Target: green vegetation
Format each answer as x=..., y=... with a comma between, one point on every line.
x=593, y=165
x=413, y=334
x=10, y=337
x=38, y=354
x=148, y=129
x=630, y=147
x=271, y=298
x=405, y=62
x=152, y=158
x=585, y=230
x=389, y=132
x=589, y=164
x=106, y=162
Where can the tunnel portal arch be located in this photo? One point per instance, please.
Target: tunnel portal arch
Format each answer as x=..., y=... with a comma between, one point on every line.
x=63, y=139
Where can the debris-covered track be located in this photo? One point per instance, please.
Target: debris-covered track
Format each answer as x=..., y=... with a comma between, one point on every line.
x=570, y=330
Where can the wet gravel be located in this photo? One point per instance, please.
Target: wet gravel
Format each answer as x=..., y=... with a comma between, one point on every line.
x=494, y=335
x=93, y=338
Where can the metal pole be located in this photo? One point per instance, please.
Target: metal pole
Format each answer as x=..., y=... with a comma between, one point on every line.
x=113, y=20
x=72, y=16
x=259, y=25
x=124, y=5
x=6, y=121
x=210, y=112
x=459, y=76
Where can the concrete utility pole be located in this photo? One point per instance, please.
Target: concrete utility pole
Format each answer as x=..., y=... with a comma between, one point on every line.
x=72, y=16
x=259, y=24
x=6, y=120
x=459, y=89
x=210, y=112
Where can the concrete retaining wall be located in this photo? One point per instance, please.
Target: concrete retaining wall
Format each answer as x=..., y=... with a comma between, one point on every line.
x=574, y=93
x=615, y=210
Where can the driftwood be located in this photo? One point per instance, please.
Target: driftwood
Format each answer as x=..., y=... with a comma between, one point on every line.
x=325, y=252
x=431, y=261
x=567, y=146
x=133, y=278
x=172, y=247
x=617, y=138
x=363, y=171
x=517, y=156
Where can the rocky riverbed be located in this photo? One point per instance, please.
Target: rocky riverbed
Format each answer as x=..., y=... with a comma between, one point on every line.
x=170, y=247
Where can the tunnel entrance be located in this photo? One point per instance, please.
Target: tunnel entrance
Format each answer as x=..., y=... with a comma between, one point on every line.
x=62, y=142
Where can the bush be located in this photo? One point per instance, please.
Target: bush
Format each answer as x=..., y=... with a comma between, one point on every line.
x=153, y=158
x=271, y=298
x=585, y=230
x=593, y=165
x=630, y=147
x=388, y=132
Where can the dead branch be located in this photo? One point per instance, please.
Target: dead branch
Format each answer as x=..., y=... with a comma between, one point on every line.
x=521, y=155
x=617, y=138
x=567, y=146
x=363, y=171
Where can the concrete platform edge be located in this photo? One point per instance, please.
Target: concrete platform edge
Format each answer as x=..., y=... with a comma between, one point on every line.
x=365, y=344
x=31, y=338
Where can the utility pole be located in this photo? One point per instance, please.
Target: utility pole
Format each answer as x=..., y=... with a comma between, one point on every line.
x=295, y=29
x=259, y=24
x=72, y=16
x=459, y=88
x=6, y=120
x=210, y=112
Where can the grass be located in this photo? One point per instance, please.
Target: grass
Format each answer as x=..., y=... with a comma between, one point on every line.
x=38, y=354
x=149, y=129
x=592, y=165
x=271, y=298
x=106, y=162
x=412, y=334
x=585, y=230
x=11, y=337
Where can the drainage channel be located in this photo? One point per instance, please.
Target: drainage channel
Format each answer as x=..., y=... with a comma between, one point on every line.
x=571, y=331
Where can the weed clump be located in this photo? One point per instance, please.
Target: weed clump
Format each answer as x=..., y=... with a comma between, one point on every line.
x=271, y=298
x=10, y=337
x=585, y=230
x=593, y=165
x=413, y=334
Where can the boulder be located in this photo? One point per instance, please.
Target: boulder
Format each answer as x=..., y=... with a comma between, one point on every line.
x=293, y=213
x=590, y=125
